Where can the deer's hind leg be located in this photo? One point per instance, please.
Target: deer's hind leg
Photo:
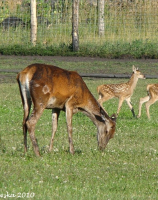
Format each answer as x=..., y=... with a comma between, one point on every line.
x=31, y=123
x=27, y=108
x=120, y=105
x=141, y=101
x=55, y=116
x=148, y=104
x=103, y=98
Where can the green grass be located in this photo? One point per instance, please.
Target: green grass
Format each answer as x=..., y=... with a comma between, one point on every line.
x=127, y=169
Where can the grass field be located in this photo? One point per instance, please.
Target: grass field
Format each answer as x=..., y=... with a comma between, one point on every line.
x=127, y=169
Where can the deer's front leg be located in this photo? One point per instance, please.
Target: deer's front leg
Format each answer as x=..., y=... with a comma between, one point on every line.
x=130, y=106
x=55, y=116
x=69, y=128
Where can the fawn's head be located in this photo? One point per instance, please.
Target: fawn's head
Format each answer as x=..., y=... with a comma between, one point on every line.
x=138, y=73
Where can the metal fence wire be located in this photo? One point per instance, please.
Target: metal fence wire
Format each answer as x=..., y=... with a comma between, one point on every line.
x=125, y=21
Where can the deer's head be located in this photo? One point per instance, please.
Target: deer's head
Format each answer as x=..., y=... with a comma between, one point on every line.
x=106, y=131
x=138, y=73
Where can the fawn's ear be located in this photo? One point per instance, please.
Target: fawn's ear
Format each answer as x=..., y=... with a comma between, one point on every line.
x=134, y=69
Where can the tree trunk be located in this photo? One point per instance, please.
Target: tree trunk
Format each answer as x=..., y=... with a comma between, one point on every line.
x=75, y=16
x=101, y=5
x=33, y=23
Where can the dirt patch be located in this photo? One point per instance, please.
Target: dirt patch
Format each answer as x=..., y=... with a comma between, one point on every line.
x=74, y=58
x=9, y=75
x=7, y=78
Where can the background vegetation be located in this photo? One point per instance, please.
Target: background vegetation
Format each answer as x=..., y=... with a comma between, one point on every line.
x=127, y=169
x=131, y=29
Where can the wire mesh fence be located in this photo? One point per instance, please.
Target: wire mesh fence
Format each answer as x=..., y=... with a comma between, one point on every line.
x=124, y=21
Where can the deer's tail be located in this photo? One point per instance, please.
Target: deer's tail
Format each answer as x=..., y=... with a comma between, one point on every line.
x=24, y=88
x=148, y=89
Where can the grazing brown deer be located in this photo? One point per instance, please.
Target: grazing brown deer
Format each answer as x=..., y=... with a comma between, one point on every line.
x=50, y=87
x=123, y=91
x=151, y=98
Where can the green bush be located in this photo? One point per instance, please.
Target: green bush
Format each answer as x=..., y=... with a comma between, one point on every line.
x=136, y=49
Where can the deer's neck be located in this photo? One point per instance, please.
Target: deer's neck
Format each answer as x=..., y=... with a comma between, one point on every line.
x=93, y=111
x=133, y=81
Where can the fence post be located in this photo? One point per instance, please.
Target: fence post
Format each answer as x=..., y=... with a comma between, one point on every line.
x=75, y=16
x=101, y=5
x=33, y=22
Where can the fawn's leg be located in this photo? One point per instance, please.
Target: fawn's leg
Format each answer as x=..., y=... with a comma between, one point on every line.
x=130, y=106
x=141, y=101
x=148, y=104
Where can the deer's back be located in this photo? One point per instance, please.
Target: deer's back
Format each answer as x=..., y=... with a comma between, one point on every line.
x=115, y=90
x=54, y=85
x=153, y=88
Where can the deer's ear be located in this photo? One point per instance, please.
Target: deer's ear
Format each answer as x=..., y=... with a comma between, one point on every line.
x=103, y=114
x=134, y=69
x=113, y=117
